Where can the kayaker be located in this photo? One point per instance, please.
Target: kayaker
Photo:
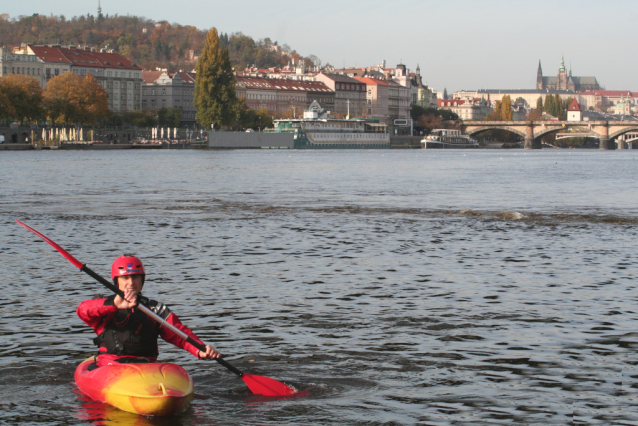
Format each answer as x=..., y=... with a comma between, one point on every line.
x=126, y=334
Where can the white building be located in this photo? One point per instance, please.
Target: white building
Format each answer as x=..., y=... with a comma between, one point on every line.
x=119, y=77
x=21, y=63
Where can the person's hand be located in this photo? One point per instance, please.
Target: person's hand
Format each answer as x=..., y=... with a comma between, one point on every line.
x=210, y=353
x=129, y=301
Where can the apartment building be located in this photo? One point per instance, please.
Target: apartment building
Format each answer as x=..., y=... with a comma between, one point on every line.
x=163, y=89
x=350, y=94
x=283, y=95
x=119, y=77
x=21, y=63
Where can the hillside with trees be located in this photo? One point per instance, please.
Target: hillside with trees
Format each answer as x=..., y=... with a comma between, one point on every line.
x=148, y=43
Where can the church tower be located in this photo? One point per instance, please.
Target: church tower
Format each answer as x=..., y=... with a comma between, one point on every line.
x=539, y=77
x=562, y=75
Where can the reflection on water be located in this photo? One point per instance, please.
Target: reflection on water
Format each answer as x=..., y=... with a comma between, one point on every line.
x=406, y=287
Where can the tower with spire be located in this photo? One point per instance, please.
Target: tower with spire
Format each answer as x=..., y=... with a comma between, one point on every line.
x=539, y=77
x=564, y=80
x=562, y=75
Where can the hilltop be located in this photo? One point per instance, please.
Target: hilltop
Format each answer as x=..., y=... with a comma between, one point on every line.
x=146, y=42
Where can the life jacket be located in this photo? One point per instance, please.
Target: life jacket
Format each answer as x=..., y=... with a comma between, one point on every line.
x=129, y=332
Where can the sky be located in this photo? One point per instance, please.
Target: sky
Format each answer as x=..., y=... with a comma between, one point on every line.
x=459, y=44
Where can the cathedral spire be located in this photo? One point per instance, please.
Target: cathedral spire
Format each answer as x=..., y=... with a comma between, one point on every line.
x=562, y=64
x=539, y=77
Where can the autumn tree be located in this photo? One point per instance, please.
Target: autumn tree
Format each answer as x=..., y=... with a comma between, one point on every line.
x=535, y=114
x=6, y=109
x=495, y=115
x=23, y=97
x=73, y=99
x=506, y=108
x=215, y=99
x=430, y=122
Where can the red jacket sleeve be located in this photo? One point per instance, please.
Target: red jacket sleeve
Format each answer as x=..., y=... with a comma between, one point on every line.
x=92, y=311
x=171, y=337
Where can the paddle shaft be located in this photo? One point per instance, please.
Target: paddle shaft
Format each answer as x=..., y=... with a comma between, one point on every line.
x=161, y=321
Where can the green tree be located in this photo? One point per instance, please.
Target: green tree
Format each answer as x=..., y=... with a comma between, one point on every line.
x=215, y=99
x=169, y=117
x=549, y=105
x=539, y=103
x=252, y=119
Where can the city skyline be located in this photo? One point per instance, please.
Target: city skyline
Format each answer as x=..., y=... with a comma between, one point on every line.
x=458, y=44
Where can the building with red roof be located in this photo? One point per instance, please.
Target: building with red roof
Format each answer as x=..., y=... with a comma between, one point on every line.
x=119, y=77
x=282, y=95
x=574, y=113
x=350, y=94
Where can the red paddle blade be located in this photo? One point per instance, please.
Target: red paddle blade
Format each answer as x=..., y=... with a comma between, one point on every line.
x=63, y=252
x=260, y=385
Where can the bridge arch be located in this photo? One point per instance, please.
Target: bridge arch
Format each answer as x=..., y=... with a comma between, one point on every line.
x=547, y=131
x=629, y=129
x=475, y=130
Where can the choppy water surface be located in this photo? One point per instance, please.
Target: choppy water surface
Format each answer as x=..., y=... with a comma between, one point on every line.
x=399, y=287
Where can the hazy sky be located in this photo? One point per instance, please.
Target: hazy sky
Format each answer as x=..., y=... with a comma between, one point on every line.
x=459, y=44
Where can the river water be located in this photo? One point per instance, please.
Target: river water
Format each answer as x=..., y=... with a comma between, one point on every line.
x=398, y=287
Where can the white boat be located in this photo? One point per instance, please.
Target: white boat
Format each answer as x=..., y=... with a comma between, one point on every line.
x=316, y=130
x=446, y=139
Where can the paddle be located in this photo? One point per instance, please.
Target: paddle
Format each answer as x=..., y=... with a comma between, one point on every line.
x=258, y=385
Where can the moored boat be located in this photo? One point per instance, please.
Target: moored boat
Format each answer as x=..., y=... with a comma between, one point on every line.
x=448, y=138
x=150, y=389
x=316, y=130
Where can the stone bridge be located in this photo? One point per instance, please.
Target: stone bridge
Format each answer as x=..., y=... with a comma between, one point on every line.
x=532, y=131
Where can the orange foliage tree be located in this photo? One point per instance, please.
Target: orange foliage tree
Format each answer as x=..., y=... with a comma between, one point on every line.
x=6, y=109
x=21, y=98
x=75, y=100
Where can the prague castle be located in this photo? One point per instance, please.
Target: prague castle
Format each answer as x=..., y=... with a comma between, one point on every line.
x=565, y=80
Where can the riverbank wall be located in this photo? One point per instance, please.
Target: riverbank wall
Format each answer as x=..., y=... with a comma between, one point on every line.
x=250, y=140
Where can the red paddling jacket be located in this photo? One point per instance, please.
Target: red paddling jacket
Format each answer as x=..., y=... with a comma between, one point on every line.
x=129, y=333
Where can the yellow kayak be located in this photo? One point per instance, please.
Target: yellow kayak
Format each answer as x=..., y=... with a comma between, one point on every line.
x=150, y=389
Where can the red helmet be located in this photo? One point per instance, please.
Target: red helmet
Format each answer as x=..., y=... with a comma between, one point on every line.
x=127, y=264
